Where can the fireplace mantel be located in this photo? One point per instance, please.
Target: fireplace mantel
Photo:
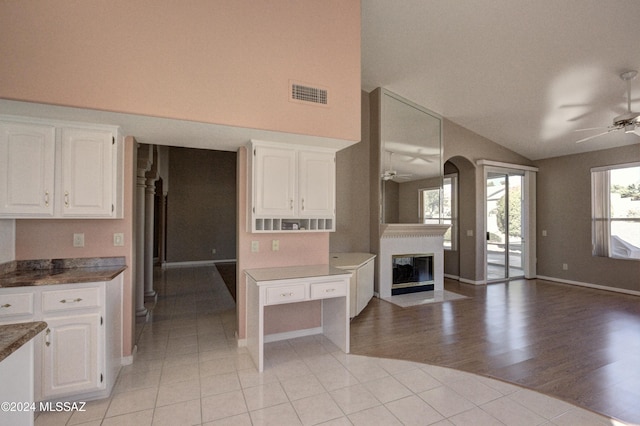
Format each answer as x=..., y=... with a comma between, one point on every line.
x=403, y=238
x=408, y=230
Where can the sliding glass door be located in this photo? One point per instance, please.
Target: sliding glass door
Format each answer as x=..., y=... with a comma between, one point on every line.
x=504, y=225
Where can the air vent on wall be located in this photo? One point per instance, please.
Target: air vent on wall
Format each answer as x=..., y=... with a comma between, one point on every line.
x=307, y=94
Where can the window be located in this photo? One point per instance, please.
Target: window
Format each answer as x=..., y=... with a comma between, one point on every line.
x=615, y=211
x=442, y=210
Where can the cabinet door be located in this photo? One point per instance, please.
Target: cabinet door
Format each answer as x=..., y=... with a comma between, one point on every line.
x=27, y=155
x=87, y=173
x=274, y=182
x=70, y=355
x=317, y=174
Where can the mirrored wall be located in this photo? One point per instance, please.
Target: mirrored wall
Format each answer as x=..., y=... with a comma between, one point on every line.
x=410, y=158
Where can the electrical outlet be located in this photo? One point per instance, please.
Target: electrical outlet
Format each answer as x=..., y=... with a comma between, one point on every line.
x=255, y=246
x=544, y=232
x=565, y=267
x=275, y=245
x=469, y=232
x=213, y=251
x=118, y=239
x=78, y=240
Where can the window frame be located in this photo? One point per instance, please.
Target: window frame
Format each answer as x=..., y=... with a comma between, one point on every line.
x=601, y=216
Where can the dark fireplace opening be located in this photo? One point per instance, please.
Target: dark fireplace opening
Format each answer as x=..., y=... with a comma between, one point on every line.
x=412, y=273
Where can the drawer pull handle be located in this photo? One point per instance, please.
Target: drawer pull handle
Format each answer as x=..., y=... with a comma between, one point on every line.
x=71, y=300
x=46, y=337
x=329, y=290
x=66, y=198
x=46, y=198
x=6, y=305
x=286, y=294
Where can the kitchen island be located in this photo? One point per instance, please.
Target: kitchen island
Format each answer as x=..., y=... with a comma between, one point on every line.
x=16, y=372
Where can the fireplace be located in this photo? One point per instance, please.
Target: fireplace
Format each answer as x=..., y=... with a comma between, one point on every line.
x=412, y=273
x=398, y=239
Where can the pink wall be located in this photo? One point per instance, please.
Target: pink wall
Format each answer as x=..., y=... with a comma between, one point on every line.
x=295, y=249
x=225, y=62
x=53, y=239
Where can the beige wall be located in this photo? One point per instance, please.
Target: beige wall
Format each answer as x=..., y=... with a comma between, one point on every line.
x=201, y=208
x=225, y=62
x=53, y=239
x=564, y=211
x=352, y=192
x=466, y=148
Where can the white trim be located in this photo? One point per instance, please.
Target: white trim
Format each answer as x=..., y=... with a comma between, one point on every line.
x=589, y=285
x=276, y=337
x=452, y=277
x=615, y=166
x=128, y=360
x=492, y=163
x=195, y=263
x=466, y=281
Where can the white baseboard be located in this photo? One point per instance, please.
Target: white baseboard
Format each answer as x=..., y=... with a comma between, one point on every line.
x=193, y=263
x=276, y=337
x=466, y=281
x=589, y=285
x=452, y=277
x=128, y=360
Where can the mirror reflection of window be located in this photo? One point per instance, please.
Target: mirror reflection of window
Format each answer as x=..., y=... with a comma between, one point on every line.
x=439, y=206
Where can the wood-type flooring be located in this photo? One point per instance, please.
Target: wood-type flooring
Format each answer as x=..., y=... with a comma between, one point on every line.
x=578, y=344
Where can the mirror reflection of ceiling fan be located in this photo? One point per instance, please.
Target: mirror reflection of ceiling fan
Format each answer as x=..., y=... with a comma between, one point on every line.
x=391, y=173
x=629, y=121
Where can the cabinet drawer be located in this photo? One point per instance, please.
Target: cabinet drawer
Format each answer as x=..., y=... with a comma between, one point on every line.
x=285, y=294
x=328, y=289
x=61, y=300
x=16, y=304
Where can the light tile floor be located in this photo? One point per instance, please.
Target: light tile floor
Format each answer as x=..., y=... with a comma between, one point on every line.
x=189, y=371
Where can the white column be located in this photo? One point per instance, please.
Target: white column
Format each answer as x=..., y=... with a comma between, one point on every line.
x=150, y=191
x=143, y=165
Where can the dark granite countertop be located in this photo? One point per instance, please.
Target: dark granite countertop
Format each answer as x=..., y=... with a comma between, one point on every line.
x=13, y=336
x=25, y=273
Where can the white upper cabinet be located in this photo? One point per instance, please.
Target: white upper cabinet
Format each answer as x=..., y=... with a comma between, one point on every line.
x=53, y=169
x=275, y=177
x=27, y=157
x=292, y=188
x=87, y=172
x=317, y=180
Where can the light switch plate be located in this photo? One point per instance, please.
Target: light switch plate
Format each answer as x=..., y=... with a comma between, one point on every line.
x=118, y=239
x=78, y=240
x=255, y=246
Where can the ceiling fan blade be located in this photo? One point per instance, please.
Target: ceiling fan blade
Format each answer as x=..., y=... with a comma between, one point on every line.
x=590, y=128
x=599, y=134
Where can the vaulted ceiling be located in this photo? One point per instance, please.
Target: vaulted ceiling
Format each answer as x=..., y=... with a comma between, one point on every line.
x=525, y=74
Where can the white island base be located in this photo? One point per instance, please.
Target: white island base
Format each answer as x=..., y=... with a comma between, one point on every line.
x=275, y=286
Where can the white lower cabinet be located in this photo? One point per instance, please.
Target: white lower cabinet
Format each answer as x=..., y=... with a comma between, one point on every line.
x=70, y=362
x=79, y=354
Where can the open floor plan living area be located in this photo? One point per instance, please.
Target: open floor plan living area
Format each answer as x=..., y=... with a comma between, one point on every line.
x=502, y=359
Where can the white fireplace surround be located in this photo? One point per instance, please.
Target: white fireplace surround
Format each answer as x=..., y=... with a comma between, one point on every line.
x=403, y=238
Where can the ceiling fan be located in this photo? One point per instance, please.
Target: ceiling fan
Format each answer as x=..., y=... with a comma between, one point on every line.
x=392, y=174
x=629, y=121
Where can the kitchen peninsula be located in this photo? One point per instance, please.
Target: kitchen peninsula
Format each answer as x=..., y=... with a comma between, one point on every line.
x=16, y=371
x=79, y=354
